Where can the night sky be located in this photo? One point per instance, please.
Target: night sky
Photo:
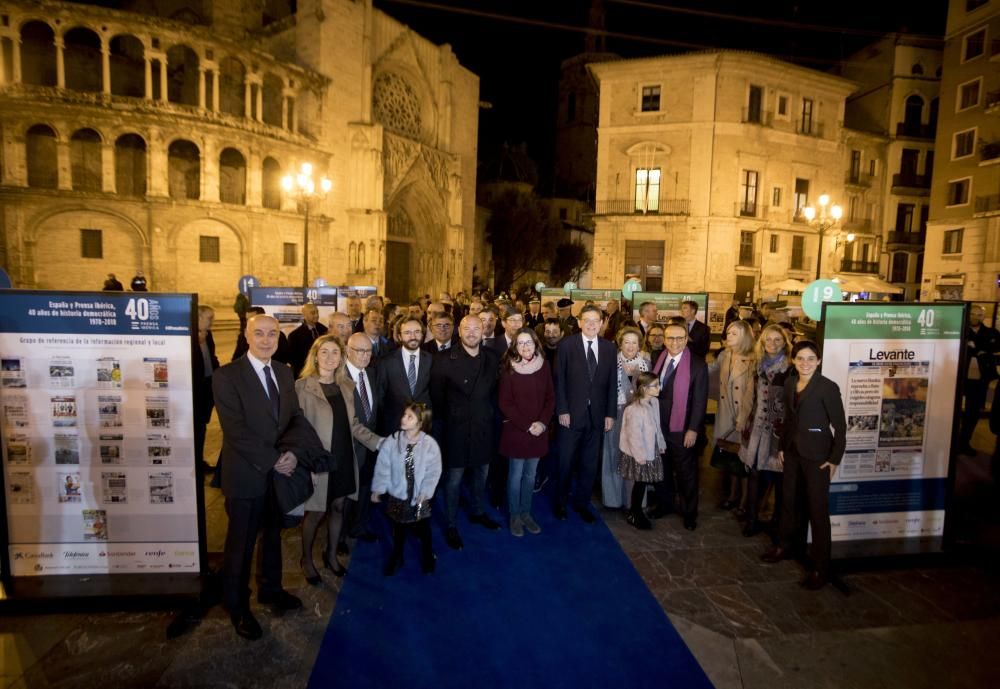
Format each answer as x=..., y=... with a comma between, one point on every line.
x=518, y=62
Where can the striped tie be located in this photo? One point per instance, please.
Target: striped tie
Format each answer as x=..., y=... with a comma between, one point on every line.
x=411, y=374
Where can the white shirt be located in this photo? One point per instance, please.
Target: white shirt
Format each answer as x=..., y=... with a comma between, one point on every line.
x=586, y=347
x=666, y=365
x=258, y=368
x=406, y=361
x=355, y=373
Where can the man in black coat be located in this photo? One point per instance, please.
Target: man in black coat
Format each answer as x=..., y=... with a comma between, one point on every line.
x=442, y=331
x=586, y=404
x=681, y=426
x=367, y=404
x=404, y=376
x=512, y=321
x=699, y=334
x=301, y=339
x=260, y=418
x=204, y=364
x=464, y=390
x=982, y=343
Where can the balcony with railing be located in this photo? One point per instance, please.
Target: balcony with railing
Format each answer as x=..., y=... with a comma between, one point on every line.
x=914, y=130
x=809, y=128
x=852, y=266
x=749, y=209
x=991, y=103
x=859, y=179
x=907, y=238
x=908, y=182
x=988, y=204
x=756, y=116
x=862, y=225
x=630, y=207
x=989, y=152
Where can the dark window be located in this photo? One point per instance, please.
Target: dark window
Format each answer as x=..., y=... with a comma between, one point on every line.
x=746, y=249
x=232, y=177
x=974, y=4
x=40, y=145
x=964, y=143
x=968, y=95
x=900, y=266
x=82, y=60
x=208, y=249
x=184, y=170
x=85, y=160
x=754, y=102
x=182, y=75
x=904, y=217
x=953, y=241
x=562, y=214
x=975, y=44
x=273, y=93
x=783, y=106
x=272, y=184
x=855, y=166
x=91, y=244
x=908, y=163
x=798, y=252
x=748, y=193
x=801, y=195
x=958, y=192
x=232, y=87
x=776, y=197
x=913, y=113
x=130, y=165
x=925, y=212
x=806, y=126
x=290, y=254
x=775, y=243
x=128, y=65
x=650, y=98
x=917, y=69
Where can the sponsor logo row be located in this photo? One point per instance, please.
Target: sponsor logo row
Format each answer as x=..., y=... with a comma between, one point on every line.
x=34, y=560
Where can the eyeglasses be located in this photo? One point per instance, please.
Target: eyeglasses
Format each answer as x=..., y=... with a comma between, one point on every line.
x=442, y=326
x=360, y=351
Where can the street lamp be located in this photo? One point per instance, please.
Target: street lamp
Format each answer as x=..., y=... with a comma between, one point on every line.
x=302, y=188
x=828, y=216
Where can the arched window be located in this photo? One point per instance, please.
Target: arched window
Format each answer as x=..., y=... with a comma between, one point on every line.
x=900, y=266
x=273, y=88
x=182, y=75
x=82, y=60
x=352, y=258
x=396, y=105
x=38, y=54
x=184, y=170
x=361, y=257
x=85, y=160
x=232, y=87
x=130, y=165
x=232, y=177
x=40, y=145
x=272, y=184
x=127, y=66
x=914, y=111
x=917, y=68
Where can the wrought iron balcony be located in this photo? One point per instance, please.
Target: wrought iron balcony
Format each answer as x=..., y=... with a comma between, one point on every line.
x=861, y=179
x=989, y=151
x=907, y=238
x=758, y=116
x=849, y=266
x=914, y=130
x=630, y=207
x=988, y=204
x=992, y=101
x=858, y=224
x=911, y=181
x=810, y=128
x=749, y=209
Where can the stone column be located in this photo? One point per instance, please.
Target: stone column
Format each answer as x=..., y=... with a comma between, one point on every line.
x=163, y=79
x=64, y=172
x=156, y=165
x=260, y=102
x=60, y=63
x=15, y=53
x=106, y=66
x=108, y=181
x=149, y=78
x=255, y=180
x=215, y=90
x=3, y=67
x=247, y=101
x=284, y=109
x=295, y=115
x=201, y=87
x=209, y=170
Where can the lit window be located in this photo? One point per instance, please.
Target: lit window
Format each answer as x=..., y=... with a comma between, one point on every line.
x=647, y=189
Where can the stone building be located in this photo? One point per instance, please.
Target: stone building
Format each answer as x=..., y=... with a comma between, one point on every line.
x=896, y=106
x=704, y=164
x=963, y=233
x=133, y=141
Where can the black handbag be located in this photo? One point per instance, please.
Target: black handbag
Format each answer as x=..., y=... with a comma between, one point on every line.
x=290, y=492
x=725, y=457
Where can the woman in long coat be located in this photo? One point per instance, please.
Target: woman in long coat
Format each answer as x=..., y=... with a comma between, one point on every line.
x=735, y=367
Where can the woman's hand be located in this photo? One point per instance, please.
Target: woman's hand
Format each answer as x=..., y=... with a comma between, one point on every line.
x=781, y=457
x=831, y=467
x=537, y=428
x=376, y=498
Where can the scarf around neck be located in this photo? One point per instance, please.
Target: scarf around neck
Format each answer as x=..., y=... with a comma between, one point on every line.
x=527, y=367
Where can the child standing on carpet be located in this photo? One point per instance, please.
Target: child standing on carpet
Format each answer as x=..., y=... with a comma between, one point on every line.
x=641, y=444
x=408, y=468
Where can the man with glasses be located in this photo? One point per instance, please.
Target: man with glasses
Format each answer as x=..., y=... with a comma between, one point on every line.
x=367, y=405
x=442, y=333
x=683, y=399
x=586, y=403
x=404, y=375
x=512, y=321
x=464, y=391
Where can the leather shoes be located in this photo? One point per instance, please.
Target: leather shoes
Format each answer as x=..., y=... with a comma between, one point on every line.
x=246, y=625
x=690, y=523
x=279, y=600
x=775, y=554
x=639, y=520
x=559, y=512
x=452, y=538
x=814, y=582
x=484, y=521
x=585, y=514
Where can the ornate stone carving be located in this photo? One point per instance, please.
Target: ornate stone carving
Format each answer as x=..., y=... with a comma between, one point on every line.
x=396, y=105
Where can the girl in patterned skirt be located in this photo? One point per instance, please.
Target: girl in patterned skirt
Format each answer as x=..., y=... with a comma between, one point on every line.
x=408, y=469
x=641, y=444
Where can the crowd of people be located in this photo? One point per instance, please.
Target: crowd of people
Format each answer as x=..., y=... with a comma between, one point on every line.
x=395, y=405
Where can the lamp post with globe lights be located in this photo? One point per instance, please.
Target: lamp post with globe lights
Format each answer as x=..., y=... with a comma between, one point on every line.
x=827, y=217
x=303, y=188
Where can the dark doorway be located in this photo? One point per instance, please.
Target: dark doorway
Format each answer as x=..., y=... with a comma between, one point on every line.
x=397, y=272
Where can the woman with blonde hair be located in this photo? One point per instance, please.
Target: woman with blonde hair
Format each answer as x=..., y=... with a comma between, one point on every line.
x=735, y=368
x=630, y=362
x=326, y=396
x=761, y=446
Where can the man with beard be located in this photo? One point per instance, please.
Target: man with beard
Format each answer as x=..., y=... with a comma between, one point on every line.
x=404, y=376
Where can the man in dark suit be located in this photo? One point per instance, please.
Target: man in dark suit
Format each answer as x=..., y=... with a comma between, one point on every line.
x=586, y=403
x=647, y=317
x=699, y=334
x=367, y=405
x=683, y=399
x=490, y=316
x=982, y=344
x=373, y=325
x=302, y=338
x=204, y=364
x=403, y=376
x=260, y=416
x=512, y=321
x=464, y=391
x=442, y=329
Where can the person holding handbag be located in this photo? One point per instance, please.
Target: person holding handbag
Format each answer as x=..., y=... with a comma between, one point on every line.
x=812, y=444
x=326, y=396
x=735, y=368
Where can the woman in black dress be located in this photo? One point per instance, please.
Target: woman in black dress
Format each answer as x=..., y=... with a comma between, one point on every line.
x=326, y=396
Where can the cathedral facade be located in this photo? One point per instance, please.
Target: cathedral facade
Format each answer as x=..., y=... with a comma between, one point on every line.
x=157, y=139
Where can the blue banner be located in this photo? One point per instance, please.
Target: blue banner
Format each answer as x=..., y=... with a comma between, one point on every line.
x=906, y=495
x=95, y=313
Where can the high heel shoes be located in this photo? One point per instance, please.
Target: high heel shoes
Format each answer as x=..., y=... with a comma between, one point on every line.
x=333, y=566
x=314, y=580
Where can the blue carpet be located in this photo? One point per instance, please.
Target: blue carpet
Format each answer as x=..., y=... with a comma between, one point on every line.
x=564, y=608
